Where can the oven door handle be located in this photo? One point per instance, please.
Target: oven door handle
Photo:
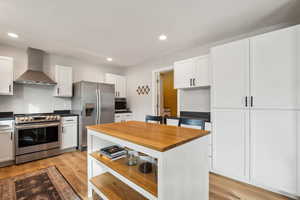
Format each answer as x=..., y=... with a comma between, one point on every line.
x=36, y=126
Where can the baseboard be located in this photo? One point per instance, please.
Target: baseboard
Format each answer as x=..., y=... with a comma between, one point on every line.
x=7, y=163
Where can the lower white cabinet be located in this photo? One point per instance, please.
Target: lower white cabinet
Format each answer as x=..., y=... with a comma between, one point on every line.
x=123, y=117
x=69, y=135
x=7, y=146
x=229, y=143
x=274, y=149
x=257, y=146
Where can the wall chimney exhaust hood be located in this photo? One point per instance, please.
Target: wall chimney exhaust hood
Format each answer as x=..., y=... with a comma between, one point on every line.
x=34, y=73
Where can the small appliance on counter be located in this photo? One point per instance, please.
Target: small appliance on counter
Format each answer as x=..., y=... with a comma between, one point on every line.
x=121, y=105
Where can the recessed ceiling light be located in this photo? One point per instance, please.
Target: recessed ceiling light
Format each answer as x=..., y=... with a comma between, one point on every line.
x=109, y=59
x=13, y=35
x=162, y=37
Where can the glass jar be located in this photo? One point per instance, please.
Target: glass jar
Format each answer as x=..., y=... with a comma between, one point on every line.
x=132, y=158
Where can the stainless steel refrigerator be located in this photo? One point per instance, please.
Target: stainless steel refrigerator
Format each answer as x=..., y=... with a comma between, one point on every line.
x=95, y=104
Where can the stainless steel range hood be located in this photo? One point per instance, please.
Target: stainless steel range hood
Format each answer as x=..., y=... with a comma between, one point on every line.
x=34, y=74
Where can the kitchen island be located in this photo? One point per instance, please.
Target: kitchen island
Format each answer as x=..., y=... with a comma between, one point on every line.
x=181, y=155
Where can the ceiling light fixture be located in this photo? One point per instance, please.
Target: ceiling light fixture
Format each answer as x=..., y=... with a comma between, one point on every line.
x=13, y=35
x=162, y=37
x=109, y=59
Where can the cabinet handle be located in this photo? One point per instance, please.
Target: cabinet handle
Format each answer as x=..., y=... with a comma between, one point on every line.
x=57, y=90
x=251, y=101
x=9, y=88
x=62, y=129
x=194, y=82
x=246, y=101
x=190, y=82
x=11, y=135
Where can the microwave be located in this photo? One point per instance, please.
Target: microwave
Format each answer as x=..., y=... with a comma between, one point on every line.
x=120, y=104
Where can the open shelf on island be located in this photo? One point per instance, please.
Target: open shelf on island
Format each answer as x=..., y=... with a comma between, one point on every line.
x=145, y=181
x=113, y=188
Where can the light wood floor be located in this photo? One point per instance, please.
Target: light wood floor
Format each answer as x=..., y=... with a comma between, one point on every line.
x=73, y=166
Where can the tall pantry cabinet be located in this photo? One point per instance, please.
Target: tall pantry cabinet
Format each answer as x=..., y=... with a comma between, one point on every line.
x=255, y=99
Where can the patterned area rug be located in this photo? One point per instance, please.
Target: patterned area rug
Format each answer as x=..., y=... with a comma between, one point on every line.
x=45, y=184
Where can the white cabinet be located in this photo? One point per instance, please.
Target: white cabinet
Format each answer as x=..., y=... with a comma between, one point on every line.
x=254, y=116
x=119, y=82
x=274, y=149
x=172, y=122
x=230, y=135
x=6, y=141
x=274, y=68
x=230, y=74
x=123, y=117
x=190, y=73
x=64, y=78
x=6, y=146
x=69, y=132
x=6, y=80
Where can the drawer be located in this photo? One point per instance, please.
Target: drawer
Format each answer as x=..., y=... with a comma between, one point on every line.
x=173, y=122
x=6, y=125
x=69, y=120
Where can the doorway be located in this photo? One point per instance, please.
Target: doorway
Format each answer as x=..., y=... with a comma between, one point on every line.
x=166, y=97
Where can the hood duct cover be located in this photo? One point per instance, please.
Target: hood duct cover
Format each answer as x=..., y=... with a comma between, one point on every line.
x=34, y=73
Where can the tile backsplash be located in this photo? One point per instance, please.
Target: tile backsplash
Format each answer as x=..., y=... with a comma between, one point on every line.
x=33, y=99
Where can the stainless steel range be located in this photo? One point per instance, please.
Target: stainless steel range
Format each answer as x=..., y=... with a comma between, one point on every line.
x=37, y=136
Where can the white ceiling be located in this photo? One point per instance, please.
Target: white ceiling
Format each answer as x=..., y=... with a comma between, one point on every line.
x=127, y=31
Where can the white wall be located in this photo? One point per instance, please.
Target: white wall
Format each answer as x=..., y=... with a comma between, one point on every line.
x=142, y=75
x=35, y=99
x=196, y=100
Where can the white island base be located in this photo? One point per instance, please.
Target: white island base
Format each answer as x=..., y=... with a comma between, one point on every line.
x=182, y=172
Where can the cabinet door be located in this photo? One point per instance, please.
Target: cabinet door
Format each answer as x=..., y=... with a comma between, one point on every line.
x=230, y=138
x=6, y=71
x=274, y=149
x=184, y=72
x=230, y=74
x=64, y=81
x=201, y=72
x=112, y=79
x=128, y=117
x=118, y=118
x=121, y=86
x=69, y=136
x=274, y=69
x=6, y=146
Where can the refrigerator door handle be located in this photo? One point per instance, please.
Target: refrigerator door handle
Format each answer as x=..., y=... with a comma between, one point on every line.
x=99, y=106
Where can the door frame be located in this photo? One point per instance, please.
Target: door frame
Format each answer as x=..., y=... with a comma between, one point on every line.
x=155, y=90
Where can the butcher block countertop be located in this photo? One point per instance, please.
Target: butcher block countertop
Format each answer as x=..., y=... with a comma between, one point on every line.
x=154, y=136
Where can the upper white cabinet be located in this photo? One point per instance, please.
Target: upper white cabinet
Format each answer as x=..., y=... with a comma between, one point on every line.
x=6, y=80
x=274, y=69
x=119, y=82
x=230, y=72
x=190, y=73
x=64, y=78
